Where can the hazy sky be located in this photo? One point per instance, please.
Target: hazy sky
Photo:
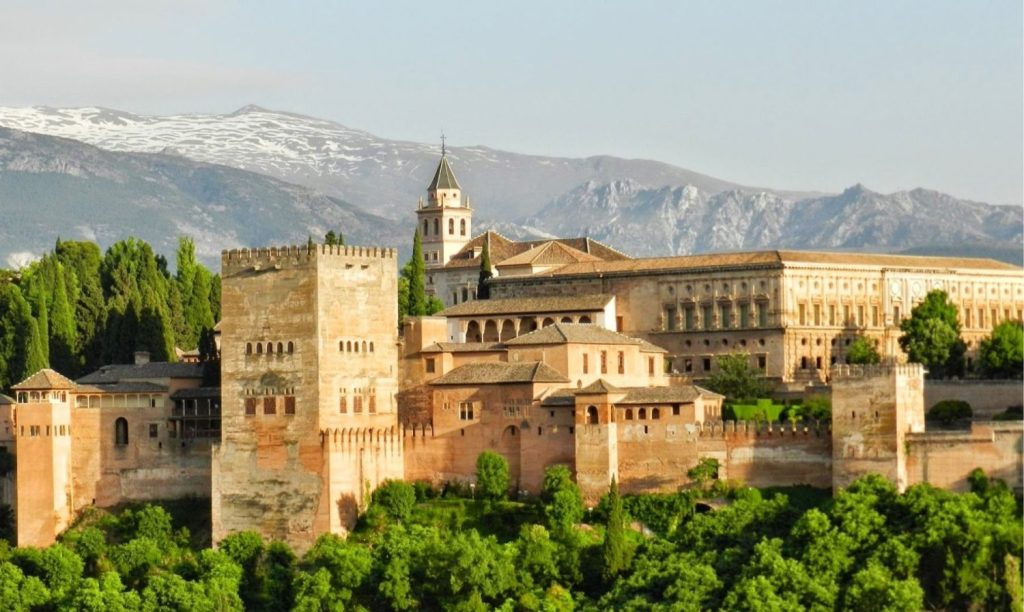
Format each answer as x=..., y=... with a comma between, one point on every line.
x=797, y=95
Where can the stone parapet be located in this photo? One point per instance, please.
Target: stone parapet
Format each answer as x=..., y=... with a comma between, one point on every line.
x=235, y=258
x=841, y=372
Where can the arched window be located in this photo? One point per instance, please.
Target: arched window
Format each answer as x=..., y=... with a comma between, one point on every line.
x=566, y=319
x=437, y=227
x=356, y=346
x=291, y=347
x=121, y=432
x=280, y=347
x=270, y=348
x=462, y=227
x=629, y=414
x=259, y=348
x=655, y=414
x=585, y=320
x=643, y=414
x=451, y=226
x=364, y=346
x=371, y=347
x=348, y=345
x=341, y=346
x=592, y=415
x=426, y=227
x=248, y=348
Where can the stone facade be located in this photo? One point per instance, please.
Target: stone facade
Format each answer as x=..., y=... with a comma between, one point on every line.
x=794, y=312
x=308, y=384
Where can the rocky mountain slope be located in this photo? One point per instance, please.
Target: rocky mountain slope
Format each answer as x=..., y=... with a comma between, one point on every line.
x=52, y=187
x=382, y=176
x=646, y=221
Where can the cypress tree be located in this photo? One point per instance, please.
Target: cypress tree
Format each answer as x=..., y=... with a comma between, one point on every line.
x=330, y=239
x=199, y=313
x=483, y=290
x=215, y=297
x=341, y=238
x=185, y=262
x=82, y=261
x=614, y=553
x=40, y=312
x=63, y=331
x=417, y=279
x=20, y=346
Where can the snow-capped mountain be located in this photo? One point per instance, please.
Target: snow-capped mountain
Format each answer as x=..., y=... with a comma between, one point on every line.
x=646, y=221
x=385, y=177
x=56, y=187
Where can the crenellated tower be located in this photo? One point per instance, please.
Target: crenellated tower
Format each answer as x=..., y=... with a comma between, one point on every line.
x=308, y=359
x=445, y=219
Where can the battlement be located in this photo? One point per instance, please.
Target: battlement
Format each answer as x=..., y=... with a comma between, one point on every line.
x=357, y=439
x=842, y=372
x=244, y=257
x=779, y=429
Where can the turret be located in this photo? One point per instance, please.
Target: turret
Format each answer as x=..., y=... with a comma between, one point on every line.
x=445, y=220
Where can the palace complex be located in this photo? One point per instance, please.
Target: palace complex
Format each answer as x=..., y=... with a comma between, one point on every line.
x=582, y=356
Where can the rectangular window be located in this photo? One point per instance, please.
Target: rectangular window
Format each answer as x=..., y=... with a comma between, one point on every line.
x=688, y=365
x=802, y=314
x=981, y=317
x=995, y=317
x=357, y=403
x=860, y=316
x=586, y=363
x=707, y=364
x=343, y=402
x=744, y=316
x=466, y=411
x=429, y=365
x=688, y=315
x=896, y=315
x=250, y=406
x=874, y=316
x=846, y=315
x=289, y=404
x=154, y=430
x=831, y=314
x=967, y=317
x=373, y=402
x=675, y=409
x=622, y=362
x=670, y=318
x=762, y=361
x=725, y=315
x=650, y=366
x=618, y=323
x=270, y=405
x=604, y=362
x=762, y=314
x=708, y=316
x=817, y=314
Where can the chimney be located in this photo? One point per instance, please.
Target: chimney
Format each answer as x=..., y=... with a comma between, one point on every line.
x=141, y=357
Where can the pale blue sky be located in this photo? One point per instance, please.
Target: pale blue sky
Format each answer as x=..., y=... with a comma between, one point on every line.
x=796, y=95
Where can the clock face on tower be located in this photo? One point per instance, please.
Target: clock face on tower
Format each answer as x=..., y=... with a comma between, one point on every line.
x=894, y=287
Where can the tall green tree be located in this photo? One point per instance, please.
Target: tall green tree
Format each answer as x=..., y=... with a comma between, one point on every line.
x=1002, y=353
x=82, y=260
x=483, y=290
x=736, y=379
x=21, y=348
x=331, y=238
x=931, y=336
x=614, y=551
x=417, y=279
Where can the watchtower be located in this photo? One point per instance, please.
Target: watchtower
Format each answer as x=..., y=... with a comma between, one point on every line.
x=445, y=220
x=308, y=358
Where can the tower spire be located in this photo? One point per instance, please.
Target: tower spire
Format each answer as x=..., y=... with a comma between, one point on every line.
x=443, y=152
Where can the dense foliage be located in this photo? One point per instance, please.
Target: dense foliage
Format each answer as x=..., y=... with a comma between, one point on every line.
x=948, y=411
x=735, y=378
x=862, y=351
x=413, y=300
x=74, y=309
x=931, y=336
x=1001, y=355
x=869, y=548
x=483, y=290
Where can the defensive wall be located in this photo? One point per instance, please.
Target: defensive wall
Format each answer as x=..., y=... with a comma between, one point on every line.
x=986, y=397
x=945, y=458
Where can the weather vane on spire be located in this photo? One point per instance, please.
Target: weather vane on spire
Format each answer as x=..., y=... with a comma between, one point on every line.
x=442, y=144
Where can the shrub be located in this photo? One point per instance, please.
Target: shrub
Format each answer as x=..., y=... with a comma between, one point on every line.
x=395, y=497
x=948, y=411
x=1012, y=413
x=492, y=475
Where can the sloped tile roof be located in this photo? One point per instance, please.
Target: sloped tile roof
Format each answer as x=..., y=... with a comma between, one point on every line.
x=528, y=305
x=500, y=373
x=45, y=379
x=599, y=386
x=111, y=374
x=548, y=253
x=6, y=399
x=770, y=259
x=197, y=393
x=573, y=333
x=502, y=248
x=124, y=387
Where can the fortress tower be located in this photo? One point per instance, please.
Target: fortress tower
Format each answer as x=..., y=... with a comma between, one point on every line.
x=445, y=221
x=309, y=422
x=873, y=410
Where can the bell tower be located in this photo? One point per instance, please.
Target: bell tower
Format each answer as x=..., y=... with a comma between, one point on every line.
x=445, y=220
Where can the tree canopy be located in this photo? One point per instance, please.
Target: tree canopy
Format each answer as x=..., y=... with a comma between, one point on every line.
x=931, y=336
x=735, y=378
x=862, y=351
x=1001, y=355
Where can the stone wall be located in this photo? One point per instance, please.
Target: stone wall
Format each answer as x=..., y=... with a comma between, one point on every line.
x=946, y=458
x=43, y=482
x=987, y=397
